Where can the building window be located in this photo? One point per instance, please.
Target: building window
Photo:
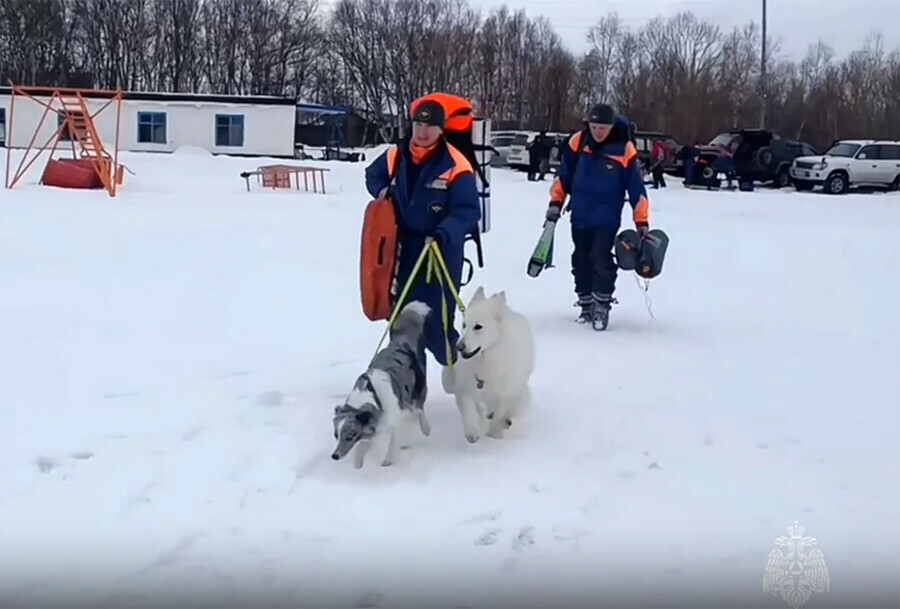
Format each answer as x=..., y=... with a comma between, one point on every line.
x=2, y=127
x=229, y=129
x=151, y=127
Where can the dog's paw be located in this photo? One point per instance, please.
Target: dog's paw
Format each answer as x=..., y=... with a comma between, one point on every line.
x=507, y=423
x=424, y=425
x=472, y=438
x=495, y=432
x=387, y=463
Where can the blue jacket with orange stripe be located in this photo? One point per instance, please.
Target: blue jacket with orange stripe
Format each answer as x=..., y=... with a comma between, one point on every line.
x=438, y=197
x=597, y=176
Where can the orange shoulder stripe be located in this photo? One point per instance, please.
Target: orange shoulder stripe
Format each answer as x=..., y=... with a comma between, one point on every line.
x=393, y=156
x=623, y=159
x=461, y=165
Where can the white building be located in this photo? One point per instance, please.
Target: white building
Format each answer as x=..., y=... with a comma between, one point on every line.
x=163, y=122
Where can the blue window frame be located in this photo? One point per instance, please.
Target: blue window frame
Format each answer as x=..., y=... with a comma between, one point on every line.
x=151, y=128
x=229, y=129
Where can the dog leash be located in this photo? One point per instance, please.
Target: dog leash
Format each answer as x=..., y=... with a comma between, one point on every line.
x=432, y=253
x=443, y=275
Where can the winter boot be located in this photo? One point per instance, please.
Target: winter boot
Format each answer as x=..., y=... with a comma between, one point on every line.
x=602, y=303
x=586, y=302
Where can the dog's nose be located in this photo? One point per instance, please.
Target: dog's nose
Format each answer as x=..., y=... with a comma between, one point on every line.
x=335, y=456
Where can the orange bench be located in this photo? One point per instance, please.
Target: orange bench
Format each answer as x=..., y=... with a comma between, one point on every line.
x=280, y=176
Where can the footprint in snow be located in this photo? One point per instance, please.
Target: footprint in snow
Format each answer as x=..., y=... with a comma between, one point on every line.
x=570, y=534
x=45, y=465
x=524, y=539
x=82, y=454
x=488, y=538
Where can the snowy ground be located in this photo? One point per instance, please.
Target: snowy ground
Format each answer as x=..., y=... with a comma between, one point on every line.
x=170, y=360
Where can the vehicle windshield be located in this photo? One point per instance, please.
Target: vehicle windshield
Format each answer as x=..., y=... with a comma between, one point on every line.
x=520, y=140
x=844, y=150
x=503, y=140
x=725, y=140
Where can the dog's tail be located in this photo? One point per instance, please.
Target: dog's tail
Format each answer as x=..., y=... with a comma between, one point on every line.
x=411, y=319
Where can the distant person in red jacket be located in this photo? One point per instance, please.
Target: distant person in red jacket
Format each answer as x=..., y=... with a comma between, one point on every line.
x=657, y=159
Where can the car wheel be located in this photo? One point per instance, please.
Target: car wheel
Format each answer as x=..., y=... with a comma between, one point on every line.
x=782, y=179
x=764, y=157
x=837, y=184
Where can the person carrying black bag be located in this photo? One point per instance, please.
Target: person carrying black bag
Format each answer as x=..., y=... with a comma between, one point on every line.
x=598, y=168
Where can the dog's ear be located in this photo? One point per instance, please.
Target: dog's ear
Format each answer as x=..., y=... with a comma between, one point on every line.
x=499, y=303
x=479, y=294
x=364, y=417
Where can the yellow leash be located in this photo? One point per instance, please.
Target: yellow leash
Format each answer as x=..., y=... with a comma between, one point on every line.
x=437, y=266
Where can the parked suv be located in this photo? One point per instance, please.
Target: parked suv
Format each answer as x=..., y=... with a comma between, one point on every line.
x=758, y=155
x=873, y=163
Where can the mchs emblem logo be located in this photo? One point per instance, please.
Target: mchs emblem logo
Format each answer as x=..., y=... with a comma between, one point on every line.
x=796, y=570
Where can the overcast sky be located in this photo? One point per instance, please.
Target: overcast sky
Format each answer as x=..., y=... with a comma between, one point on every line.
x=798, y=23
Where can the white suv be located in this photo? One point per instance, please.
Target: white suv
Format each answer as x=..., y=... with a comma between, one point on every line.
x=850, y=163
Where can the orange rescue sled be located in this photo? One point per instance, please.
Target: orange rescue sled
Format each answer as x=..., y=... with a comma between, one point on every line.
x=378, y=258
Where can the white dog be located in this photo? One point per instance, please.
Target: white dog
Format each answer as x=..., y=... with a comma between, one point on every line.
x=490, y=378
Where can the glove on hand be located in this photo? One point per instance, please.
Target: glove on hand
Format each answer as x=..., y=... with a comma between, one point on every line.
x=554, y=210
x=439, y=237
x=643, y=230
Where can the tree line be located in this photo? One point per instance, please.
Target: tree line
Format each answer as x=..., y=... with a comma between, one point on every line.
x=679, y=74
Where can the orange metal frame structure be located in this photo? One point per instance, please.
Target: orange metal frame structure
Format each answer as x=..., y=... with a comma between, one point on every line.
x=78, y=123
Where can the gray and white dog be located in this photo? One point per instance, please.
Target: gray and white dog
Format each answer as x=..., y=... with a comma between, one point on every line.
x=392, y=389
